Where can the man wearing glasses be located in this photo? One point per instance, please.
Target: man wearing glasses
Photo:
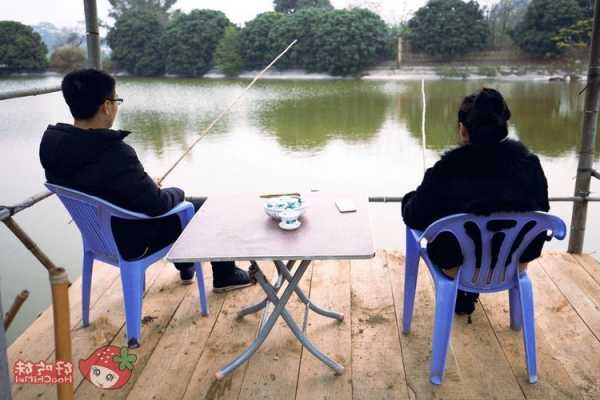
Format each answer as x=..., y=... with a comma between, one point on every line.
x=90, y=157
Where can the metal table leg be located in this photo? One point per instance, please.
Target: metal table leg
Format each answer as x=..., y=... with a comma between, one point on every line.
x=268, y=325
x=319, y=310
x=276, y=283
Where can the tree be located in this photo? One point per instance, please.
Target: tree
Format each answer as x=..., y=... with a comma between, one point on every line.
x=190, y=41
x=21, y=49
x=448, y=28
x=543, y=20
x=135, y=41
x=503, y=18
x=291, y=6
x=67, y=59
x=349, y=41
x=160, y=7
x=575, y=36
x=256, y=48
x=227, y=55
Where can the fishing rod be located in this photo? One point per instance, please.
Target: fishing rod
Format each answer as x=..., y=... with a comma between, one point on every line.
x=225, y=111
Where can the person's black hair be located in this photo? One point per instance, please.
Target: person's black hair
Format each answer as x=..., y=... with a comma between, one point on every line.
x=485, y=114
x=85, y=90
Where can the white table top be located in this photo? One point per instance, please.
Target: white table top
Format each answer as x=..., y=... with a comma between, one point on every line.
x=236, y=228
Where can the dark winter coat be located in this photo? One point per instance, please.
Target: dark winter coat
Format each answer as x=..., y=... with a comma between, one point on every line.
x=100, y=163
x=480, y=180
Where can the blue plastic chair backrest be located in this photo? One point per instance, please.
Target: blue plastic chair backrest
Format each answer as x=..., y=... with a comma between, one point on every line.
x=93, y=218
x=498, y=266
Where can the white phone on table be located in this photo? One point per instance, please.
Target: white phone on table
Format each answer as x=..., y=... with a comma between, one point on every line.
x=345, y=206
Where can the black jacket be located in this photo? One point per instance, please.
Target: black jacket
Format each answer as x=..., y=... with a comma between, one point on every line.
x=479, y=180
x=98, y=162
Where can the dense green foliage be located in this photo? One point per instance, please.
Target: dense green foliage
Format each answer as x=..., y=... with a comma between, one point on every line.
x=135, y=42
x=227, y=55
x=448, y=28
x=256, y=48
x=503, y=18
x=21, y=49
x=339, y=42
x=67, y=58
x=190, y=41
x=291, y=6
x=543, y=21
x=160, y=7
x=578, y=35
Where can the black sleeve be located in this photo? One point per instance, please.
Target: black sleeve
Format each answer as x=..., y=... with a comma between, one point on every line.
x=128, y=182
x=540, y=194
x=426, y=204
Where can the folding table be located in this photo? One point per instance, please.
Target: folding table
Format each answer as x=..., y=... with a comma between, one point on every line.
x=235, y=228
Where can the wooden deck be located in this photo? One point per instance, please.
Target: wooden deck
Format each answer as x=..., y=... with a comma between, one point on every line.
x=181, y=351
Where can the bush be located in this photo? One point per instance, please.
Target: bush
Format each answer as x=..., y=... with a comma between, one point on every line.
x=227, y=55
x=543, y=21
x=21, y=49
x=190, y=41
x=448, y=28
x=135, y=42
x=67, y=58
x=256, y=47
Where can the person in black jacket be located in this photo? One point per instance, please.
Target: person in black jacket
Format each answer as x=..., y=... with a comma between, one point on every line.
x=90, y=157
x=487, y=173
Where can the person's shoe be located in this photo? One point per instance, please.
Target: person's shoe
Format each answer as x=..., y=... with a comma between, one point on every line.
x=187, y=275
x=236, y=279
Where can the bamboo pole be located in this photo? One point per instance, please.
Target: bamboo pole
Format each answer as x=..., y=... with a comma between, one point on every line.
x=93, y=36
x=59, y=281
x=588, y=140
x=29, y=244
x=14, y=309
x=5, y=390
x=29, y=92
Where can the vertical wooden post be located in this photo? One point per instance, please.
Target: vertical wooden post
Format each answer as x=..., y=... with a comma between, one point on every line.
x=62, y=326
x=588, y=140
x=5, y=391
x=93, y=36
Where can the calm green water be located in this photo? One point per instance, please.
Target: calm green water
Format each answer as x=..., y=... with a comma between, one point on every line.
x=342, y=136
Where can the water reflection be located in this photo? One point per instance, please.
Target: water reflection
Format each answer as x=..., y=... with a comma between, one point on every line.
x=309, y=121
x=155, y=131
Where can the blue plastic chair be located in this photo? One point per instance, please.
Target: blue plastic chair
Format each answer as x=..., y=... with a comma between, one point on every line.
x=503, y=275
x=93, y=218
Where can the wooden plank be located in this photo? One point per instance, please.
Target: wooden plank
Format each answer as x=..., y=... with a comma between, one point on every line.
x=275, y=365
x=106, y=319
x=572, y=342
x=179, y=349
x=330, y=288
x=377, y=368
x=228, y=338
x=416, y=347
x=38, y=351
x=590, y=264
x=161, y=302
x=553, y=380
x=37, y=342
x=577, y=286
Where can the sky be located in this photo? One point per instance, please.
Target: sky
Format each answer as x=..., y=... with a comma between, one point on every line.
x=69, y=13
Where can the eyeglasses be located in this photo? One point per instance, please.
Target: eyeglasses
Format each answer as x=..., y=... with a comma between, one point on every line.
x=116, y=100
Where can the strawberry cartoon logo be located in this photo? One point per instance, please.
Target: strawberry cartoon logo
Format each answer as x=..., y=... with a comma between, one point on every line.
x=108, y=367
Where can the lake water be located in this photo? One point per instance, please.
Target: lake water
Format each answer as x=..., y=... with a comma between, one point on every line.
x=294, y=135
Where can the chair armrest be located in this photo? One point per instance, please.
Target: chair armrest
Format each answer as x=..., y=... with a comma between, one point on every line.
x=179, y=208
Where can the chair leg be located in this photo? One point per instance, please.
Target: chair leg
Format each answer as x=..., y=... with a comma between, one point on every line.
x=527, y=310
x=516, y=317
x=411, y=271
x=445, y=299
x=132, y=279
x=86, y=287
x=201, y=289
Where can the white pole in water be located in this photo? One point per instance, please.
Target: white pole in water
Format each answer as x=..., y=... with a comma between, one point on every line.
x=423, y=137
x=225, y=111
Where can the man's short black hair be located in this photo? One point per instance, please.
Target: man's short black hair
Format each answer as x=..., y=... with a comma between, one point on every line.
x=85, y=90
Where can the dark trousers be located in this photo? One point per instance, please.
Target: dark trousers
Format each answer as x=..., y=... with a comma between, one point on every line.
x=136, y=239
